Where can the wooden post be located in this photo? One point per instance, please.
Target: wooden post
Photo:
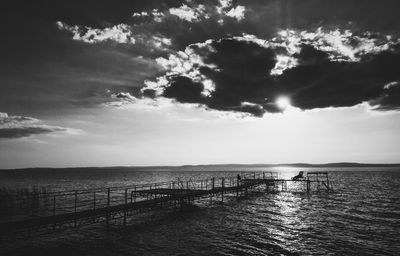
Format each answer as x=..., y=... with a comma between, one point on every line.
x=237, y=187
x=94, y=200
x=125, y=207
x=212, y=188
x=327, y=182
x=76, y=201
x=213, y=183
x=223, y=187
x=54, y=211
x=108, y=206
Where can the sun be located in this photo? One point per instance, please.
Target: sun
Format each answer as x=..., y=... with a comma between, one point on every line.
x=283, y=102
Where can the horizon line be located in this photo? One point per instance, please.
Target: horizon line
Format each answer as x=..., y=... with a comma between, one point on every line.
x=331, y=164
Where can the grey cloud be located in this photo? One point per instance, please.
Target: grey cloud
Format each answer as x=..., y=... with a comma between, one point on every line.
x=12, y=127
x=327, y=70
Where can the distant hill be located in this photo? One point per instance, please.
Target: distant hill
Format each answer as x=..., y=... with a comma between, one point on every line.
x=299, y=165
x=341, y=164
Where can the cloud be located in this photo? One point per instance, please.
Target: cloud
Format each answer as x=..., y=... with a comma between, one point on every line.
x=227, y=74
x=144, y=41
x=390, y=98
x=120, y=33
x=189, y=14
x=316, y=69
x=154, y=15
x=192, y=12
x=339, y=45
x=237, y=12
x=196, y=13
x=225, y=8
x=20, y=126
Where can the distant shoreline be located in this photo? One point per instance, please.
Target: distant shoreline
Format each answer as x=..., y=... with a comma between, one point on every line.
x=295, y=165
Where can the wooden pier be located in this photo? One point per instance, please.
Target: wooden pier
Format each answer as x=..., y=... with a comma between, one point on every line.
x=79, y=207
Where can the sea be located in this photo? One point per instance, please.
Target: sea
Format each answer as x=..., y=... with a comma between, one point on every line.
x=360, y=216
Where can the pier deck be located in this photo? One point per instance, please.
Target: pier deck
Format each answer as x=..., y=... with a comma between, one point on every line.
x=53, y=209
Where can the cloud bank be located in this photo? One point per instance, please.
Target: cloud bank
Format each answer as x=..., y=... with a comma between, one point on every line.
x=120, y=33
x=315, y=69
x=242, y=72
x=12, y=127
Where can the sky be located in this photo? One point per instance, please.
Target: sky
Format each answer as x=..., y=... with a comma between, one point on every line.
x=121, y=83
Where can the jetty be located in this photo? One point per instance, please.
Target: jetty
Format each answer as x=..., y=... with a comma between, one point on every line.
x=49, y=211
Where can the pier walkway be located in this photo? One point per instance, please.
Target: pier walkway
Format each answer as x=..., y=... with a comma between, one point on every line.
x=73, y=208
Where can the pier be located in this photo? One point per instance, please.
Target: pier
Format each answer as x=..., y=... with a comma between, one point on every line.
x=51, y=211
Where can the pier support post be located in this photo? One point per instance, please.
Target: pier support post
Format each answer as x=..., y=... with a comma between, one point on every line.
x=327, y=183
x=237, y=187
x=54, y=212
x=223, y=187
x=76, y=201
x=108, y=207
x=125, y=206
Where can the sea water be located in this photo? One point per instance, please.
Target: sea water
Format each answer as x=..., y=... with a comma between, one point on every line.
x=360, y=217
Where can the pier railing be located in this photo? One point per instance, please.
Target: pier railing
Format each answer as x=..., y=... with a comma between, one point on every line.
x=42, y=203
x=58, y=208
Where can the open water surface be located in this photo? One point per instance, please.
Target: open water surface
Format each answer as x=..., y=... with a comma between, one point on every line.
x=361, y=216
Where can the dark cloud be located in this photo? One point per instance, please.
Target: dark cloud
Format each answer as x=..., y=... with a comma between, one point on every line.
x=389, y=100
x=243, y=82
x=241, y=79
x=184, y=90
x=19, y=132
x=43, y=69
x=324, y=83
x=241, y=75
x=20, y=126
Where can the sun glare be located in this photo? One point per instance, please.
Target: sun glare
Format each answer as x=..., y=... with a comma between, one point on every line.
x=283, y=102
